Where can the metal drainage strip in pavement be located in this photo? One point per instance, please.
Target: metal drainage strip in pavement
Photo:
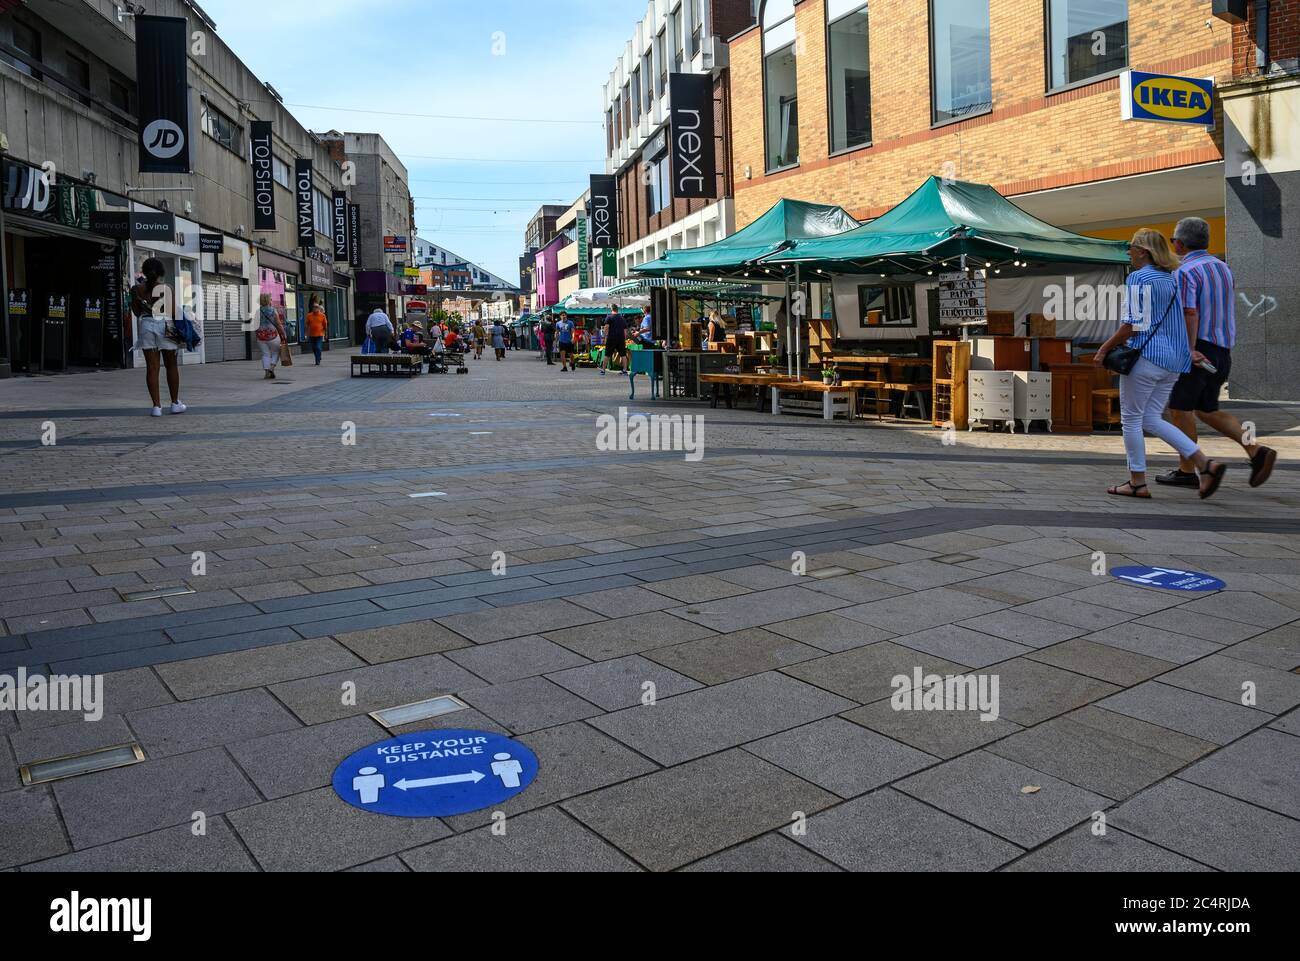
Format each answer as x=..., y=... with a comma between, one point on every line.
x=58, y=768
x=157, y=594
x=391, y=717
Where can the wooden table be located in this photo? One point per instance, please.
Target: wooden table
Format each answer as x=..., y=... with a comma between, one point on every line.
x=831, y=397
x=729, y=381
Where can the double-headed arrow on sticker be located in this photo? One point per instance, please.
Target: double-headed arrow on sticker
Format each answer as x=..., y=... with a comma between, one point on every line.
x=472, y=777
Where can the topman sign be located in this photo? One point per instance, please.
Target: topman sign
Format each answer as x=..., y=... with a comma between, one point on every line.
x=1162, y=98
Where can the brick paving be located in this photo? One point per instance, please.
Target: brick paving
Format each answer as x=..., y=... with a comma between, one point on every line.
x=772, y=743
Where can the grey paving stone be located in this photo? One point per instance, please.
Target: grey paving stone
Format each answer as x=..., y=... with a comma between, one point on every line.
x=1290, y=723
x=398, y=642
x=624, y=602
x=1262, y=768
x=1244, y=606
x=1116, y=852
x=1106, y=663
x=853, y=588
x=317, y=831
x=1218, y=675
x=759, y=608
x=1205, y=627
x=725, y=657
x=64, y=740
x=605, y=640
x=910, y=613
x=1014, y=587
x=697, y=589
x=889, y=831
x=1076, y=613
x=1198, y=715
x=619, y=683
x=318, y=699
x=1279, y=649
x=224, y=673
x=1031, y=692
x=158, y=793
x=673, y=817
x=830, y=632
x=529, y=704
x=516, y=658
x=171, y=849
x=389, y=865
x=9, y=779
x=539, y=617
x=943, y=734
x=840, y=756
x=1105, y=752
x=866, y=674
x=771, y=853
x=542, y=841
x=962, y=645
x=922, y=575
x=1153, y=642
x=303, y=759
x=573, y=759
x=1212, y=828
x=691, y=725
x=209, y=722
x=987, y=791
x=1128, y=597
x=1022, y=628
x=761, y=577
x=29, y=827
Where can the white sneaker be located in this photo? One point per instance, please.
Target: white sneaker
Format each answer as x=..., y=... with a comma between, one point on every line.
x=156, y=412
x=179, y=408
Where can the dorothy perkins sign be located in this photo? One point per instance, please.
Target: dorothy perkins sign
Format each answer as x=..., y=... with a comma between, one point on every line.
x=695, y=172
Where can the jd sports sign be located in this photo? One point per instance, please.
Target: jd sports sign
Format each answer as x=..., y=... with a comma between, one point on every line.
x=604, y=212
x=695, y=174
x=162, y=80
x=339, y=210
x=263, y=176
x=304, y=203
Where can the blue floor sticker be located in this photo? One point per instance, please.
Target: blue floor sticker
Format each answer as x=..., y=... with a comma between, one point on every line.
x=1169, y=580
x=432, y=774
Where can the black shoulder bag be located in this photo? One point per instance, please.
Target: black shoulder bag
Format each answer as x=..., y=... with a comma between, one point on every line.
x=1123, y=359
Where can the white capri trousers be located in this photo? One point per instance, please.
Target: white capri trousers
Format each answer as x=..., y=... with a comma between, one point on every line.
x=1143, y=397
x=270, y=353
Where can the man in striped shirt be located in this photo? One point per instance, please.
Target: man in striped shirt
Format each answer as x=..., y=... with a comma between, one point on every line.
x=1208, y=295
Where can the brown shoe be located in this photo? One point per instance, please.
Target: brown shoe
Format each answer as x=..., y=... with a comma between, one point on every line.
x=1261, y=466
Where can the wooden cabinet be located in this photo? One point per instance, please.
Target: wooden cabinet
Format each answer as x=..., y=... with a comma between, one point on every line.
x=1072, y=398
x=951, y=371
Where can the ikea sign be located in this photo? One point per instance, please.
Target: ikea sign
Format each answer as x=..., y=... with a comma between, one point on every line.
x=1167, y=99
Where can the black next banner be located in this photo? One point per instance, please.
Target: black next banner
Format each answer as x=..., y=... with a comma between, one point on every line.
x=354, y=235
x=694, y=166
x=263, y=176
x=162, y=80
x=304, y=202
x=339, y=212
x=604, y=212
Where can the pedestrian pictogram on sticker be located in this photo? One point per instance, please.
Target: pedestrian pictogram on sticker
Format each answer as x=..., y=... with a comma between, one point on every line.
x=1169, y=579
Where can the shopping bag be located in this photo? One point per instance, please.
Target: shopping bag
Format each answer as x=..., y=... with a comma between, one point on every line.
x=368, y=345
x=286, y=356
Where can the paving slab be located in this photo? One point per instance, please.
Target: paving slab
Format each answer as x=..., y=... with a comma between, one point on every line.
x=1290, y=723
x=517, y=658
x=325, y=698
x=171, y=849
x=1245, y=607
x=1021, y=628
x=961, y=645
x=840, y=756
x=1227, y=678
x=1091, y=617
x=726, y=657
x=1114, y=852
x=240, y=670
x=1279, y=648
x=987, y=791
x=605, y=640
x=1030, y=692
x=1211, y=828
x=1189, y=712
x=1205, y=627
x=158, y=793
x=209, y=722
x=29, y=827
x=1149, y=641
x=500, y=623
x=943, y=734
x=670, y=818
x=529, y=704
x=759, y=608
x=697, y=589
x=620, y=683
x=546, y=841
x=909, y=613
x=305, y=758
x=1106, y=663
x=688, y=726
x=854, y=588
x=318, y=831
x=890, y=831
x=624, y=602
x=398, y=642
x=1014, y=587
x=389, y=865
x=867, y=674
x=771, y=853
x=123, y=691
x=1262, y=768
x=830, y=632
x=65, y=740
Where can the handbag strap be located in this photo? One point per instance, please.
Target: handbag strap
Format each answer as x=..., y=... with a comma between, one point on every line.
x=1154, y=330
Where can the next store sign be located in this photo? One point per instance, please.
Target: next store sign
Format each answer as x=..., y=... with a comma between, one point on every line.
x=1167, y=99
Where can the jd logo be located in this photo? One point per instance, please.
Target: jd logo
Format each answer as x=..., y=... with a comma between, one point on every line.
x=163, y=139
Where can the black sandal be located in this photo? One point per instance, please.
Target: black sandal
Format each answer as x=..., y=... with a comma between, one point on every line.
x=1134, y=491
x=1215, y=476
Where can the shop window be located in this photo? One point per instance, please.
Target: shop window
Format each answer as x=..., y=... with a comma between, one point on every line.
x=320, y=208
x=679, y=25
x=780, y=85
x=1086, y=39
x=221, y=128
x=280, y=171
x=886, y=305
x=79, y=74
x=961, y=79
x=648, y=71
x=636, y=95
x=119, y=96
x=27, y=41
x=850, y=73
x=659, y=190
x=695, y=24
x=661, y=52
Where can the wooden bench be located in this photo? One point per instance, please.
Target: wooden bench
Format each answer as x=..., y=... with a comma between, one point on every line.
x=729, y=381
x=386, y=365
x=835, y=400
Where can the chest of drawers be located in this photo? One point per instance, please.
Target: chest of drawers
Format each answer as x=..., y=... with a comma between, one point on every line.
x=1033, y=397
x=992, y=396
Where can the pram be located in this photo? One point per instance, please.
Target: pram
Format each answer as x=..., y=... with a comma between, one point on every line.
x=456, y=358
x=438, y=363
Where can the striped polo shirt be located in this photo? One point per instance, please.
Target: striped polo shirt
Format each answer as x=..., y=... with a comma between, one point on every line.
x=1207, y=286
x=1151, y=303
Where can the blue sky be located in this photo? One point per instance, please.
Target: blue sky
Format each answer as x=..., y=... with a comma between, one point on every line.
x=520, y=59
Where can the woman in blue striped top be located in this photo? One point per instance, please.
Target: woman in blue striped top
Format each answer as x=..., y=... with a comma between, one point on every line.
x=1155, y=324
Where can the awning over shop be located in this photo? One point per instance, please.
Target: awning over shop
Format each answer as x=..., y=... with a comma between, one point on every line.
x=938, y=224
x=780, y=228
x=691, y=289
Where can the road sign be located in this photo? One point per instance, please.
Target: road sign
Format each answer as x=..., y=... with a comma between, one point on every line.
x=432, y=774
x=1168, y=579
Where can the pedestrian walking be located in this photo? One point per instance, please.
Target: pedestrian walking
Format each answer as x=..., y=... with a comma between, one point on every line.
x=499, y=340
x=615, y=330
x=156, y=334
x=548, y=341
x=1152, y=349
x=380, y=330
x=564, y=333
x=317, y=327
x=480, y=340
x=1208, y=292
x=270, y=335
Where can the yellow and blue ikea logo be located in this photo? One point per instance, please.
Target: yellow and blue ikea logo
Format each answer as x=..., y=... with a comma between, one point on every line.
x=1168, y=99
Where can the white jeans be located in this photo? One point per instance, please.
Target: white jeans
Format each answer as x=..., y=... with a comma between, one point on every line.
x=270, y=353
x=1143, y=396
